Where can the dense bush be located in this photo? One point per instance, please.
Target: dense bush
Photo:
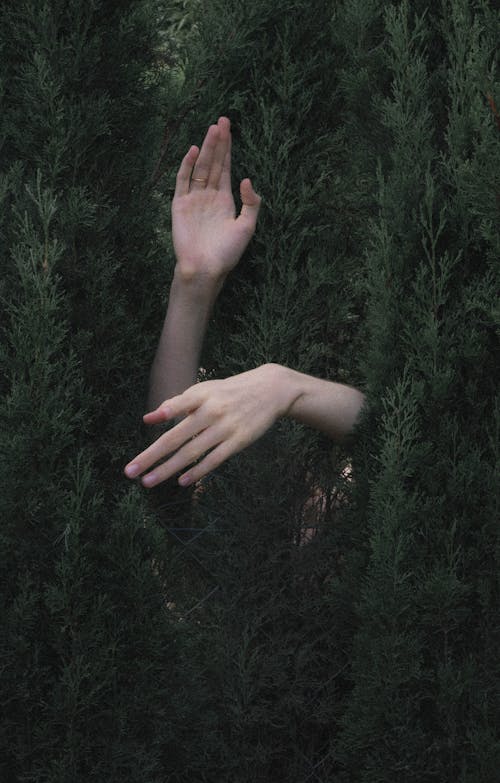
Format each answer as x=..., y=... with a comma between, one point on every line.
x=310, y=612
x=370, y=653
x=91, y=687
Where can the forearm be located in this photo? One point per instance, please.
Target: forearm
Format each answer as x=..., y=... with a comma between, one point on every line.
x=208, y=239
x=177, y=358
x=332, y=408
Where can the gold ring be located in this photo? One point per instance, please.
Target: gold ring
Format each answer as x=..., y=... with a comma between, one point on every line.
x=199, y=179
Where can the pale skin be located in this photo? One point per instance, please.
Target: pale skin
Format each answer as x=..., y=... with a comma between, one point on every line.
x=220, y=417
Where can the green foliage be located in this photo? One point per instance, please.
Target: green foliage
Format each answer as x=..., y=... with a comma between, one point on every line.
x=91, y=682
x=275, y=615
x=306, y=613
x=370, y=653
x=427, y=642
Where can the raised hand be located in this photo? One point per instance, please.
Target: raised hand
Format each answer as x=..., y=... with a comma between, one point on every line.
x=208, y=237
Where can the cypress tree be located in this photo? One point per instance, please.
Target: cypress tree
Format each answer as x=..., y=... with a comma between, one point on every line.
x=90, y=688
x=370, y=653
x=424, y=704
x=272, y=653
x=320, y=624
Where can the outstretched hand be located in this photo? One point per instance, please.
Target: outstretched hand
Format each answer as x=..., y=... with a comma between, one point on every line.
x=221, y=418
x=208, y=237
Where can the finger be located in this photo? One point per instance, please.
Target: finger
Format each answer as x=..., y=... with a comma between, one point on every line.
x=156, y=417
x=188, y=454
x=212, y=461
x=180, y=405
x=220, y=153
x=166, y=444
x=201, y=171
x=250, y=205
x=225, y=177
x=185, y=169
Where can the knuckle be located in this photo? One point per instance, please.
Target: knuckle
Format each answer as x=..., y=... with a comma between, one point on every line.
x=241, y=441
x=210, y=463
x=216, y=408
x=192, y=451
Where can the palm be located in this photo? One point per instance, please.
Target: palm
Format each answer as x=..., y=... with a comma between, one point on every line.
x=207, y=236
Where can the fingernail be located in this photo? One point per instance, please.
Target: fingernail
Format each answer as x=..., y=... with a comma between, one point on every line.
x=150, y=479
x=185, y=481
x=132, y=470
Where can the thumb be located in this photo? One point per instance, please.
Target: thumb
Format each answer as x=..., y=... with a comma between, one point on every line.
x=251, y=203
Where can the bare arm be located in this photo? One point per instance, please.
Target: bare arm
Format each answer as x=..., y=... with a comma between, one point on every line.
x=208, y=241
x=177, y=358
x=332, y=408
x=219, y=418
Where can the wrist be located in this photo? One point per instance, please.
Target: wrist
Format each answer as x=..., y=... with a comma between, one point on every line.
x=189, y=272
x=286, y=385
x=197, y=284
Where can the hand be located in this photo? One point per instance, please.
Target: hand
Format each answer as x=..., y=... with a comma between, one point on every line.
x=208, y=237
x=221, y=418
